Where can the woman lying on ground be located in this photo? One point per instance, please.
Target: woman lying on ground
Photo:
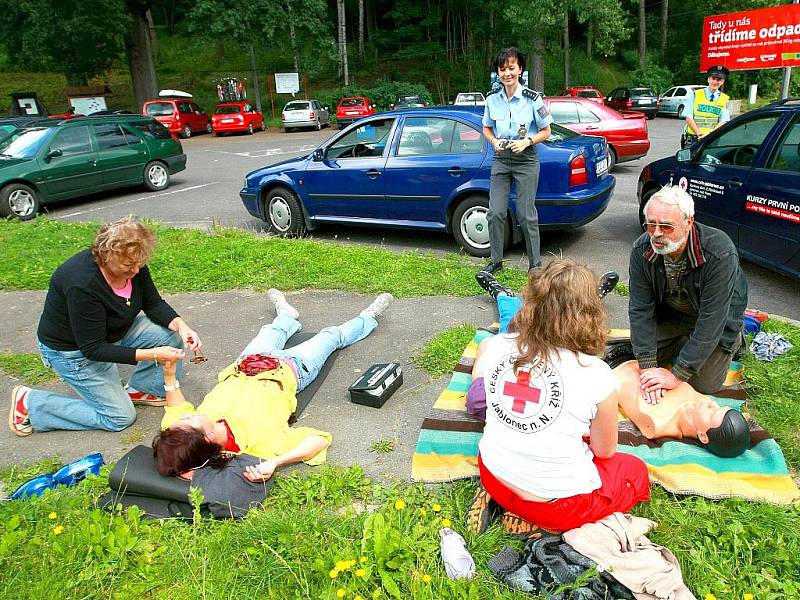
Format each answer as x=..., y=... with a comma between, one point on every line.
x=548, y=449
x=248, y=411
x=103, y=309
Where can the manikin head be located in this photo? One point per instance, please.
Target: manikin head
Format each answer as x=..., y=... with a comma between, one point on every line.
x=722, y=430
x=669, y=216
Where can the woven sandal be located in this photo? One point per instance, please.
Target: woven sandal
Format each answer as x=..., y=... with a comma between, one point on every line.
x=482, y=512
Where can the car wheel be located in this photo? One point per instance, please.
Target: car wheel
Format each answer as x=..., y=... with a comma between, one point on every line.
x=186, y=132
x=287, y=129
x=283, y=213
x=20, y=201
x=156, y=176
x=209, y=128
x=318, y=125
x=680, y=110
x=470, y=226
x=250, y=130
x=612, y=159
x=645, y=198
x=651, y=116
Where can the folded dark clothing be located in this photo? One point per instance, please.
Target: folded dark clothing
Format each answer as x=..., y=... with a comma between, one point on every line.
x=547, y=565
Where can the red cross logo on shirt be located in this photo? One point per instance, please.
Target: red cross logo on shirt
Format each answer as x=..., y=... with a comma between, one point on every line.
x=522, y=392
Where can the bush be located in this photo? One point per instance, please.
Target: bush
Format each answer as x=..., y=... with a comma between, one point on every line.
x=654, y=76
x=382, y=95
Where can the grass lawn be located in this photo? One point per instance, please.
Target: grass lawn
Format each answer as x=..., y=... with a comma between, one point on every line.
x=334, y=533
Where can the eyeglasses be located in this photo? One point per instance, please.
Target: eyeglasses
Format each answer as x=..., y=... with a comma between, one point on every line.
x=666, y=228
x=198, y=357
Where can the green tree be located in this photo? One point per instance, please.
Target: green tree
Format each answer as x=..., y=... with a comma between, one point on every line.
x=79, y=38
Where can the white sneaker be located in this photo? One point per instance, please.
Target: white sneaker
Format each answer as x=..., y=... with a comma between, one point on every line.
x=378, y=305
x=281, y=304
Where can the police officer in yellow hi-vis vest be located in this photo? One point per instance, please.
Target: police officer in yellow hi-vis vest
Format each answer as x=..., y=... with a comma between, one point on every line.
x=706, y=109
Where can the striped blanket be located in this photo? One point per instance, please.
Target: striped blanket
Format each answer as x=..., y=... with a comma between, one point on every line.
x=447, y=449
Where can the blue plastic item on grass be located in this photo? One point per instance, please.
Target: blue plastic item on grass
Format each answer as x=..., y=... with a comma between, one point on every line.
x=751, y=324
x=69, y=474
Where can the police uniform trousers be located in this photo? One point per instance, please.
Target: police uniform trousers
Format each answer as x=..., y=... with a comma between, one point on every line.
x=523, y=169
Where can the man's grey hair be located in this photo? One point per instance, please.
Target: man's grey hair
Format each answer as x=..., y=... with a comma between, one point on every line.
x=675, y=196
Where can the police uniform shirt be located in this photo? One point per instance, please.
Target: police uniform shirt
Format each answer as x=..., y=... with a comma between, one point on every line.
x=688, y=108
x=505, y=115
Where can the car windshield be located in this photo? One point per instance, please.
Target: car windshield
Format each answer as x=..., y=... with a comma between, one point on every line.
x=299, y=106
x=588, y=94
x=26, y=145
x=352, y=102
x=228, y=110
x=470, y=97
x=160, y=109
x=414, y=99
x=636, y=92
x=559, y=133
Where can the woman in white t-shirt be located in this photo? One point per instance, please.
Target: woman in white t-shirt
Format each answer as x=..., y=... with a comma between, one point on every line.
x=548, y=449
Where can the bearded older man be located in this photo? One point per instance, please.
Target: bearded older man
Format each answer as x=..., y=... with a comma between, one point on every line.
x=687, y=297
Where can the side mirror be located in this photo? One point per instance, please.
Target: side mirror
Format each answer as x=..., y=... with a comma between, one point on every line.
x=55, y=153
x=317, y=155
x=684, y=155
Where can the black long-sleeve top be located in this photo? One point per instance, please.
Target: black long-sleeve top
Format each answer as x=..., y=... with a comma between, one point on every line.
x=82, y=312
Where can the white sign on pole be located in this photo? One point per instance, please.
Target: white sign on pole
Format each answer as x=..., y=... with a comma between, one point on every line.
x=287, y=83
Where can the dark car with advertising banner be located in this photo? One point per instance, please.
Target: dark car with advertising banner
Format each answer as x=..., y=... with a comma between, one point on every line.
x=745, y=179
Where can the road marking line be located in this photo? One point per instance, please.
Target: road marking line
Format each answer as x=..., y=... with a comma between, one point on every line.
x=264, y=153
x=187, y=189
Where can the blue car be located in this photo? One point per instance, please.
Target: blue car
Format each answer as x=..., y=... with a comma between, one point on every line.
x=426, y=168
x=745, y=179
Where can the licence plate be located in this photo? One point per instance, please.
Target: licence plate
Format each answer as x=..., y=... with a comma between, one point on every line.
x=351, y=112
x=227, y=120
x=602, y=166
x=645, y=101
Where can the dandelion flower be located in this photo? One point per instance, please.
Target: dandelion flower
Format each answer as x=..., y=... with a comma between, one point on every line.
x=426, y=578
x=340, y=593
x=333, y=573
x=361, y=573
x=748, y=596
x=52, y=516
x=363, y=560
x=400, y=504
x=446, y=523
x=437, y=507
x=58, y=529
x=358, y=598
x=423, y=512
x=710, y=596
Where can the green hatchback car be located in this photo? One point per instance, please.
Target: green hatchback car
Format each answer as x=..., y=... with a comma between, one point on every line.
x=84, y=155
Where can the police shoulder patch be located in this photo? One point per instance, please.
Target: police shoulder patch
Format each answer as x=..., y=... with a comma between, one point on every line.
x=529, y=93
x=493, y=91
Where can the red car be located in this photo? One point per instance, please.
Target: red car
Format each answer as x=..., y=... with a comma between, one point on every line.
x=591, y=93
x=236, y=117
x=352, y=109
x=180, y=115
x=626, y=133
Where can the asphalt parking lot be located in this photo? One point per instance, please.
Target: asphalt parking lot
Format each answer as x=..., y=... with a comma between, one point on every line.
x=207, y=193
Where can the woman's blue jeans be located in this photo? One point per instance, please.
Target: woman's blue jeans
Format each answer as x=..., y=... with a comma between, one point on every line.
x=103, y=402
x=309, y=356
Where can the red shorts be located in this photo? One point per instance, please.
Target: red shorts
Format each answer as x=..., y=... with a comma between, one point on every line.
x=624, y=482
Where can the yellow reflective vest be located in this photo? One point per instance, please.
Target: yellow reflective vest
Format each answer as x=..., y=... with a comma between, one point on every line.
x=706, y=113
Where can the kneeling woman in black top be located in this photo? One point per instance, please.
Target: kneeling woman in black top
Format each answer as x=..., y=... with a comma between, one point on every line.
x=103, y=309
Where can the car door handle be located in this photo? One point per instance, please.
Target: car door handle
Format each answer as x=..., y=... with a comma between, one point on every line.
x=373, y=173
x=735, y=182
x=592, y=128
x=456, y=171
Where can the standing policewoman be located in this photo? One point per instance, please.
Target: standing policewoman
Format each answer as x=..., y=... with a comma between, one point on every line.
x=706, y=109
x=514, y=121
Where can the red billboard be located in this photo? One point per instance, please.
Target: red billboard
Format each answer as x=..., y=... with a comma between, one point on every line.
x=755, y=39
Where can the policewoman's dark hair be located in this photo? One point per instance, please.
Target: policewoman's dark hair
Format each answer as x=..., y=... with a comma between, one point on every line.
x=731, y=438
x=508, y=54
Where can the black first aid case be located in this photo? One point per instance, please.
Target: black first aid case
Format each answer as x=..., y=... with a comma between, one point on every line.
x=377, y=384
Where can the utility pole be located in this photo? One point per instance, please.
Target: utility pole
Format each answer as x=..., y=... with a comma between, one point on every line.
x=787, y=74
